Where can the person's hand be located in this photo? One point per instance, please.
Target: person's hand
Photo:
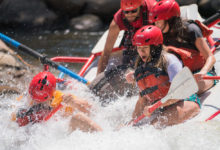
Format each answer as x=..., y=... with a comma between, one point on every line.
x=130, y=77
x=68, y=99
x=68, y=103
x=199, y=76
x=146, y=111
x=13, y=116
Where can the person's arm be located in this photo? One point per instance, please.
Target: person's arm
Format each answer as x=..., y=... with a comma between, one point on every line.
x=204, y=49
x=84, y=123
x=111, y=38
x=139, y=107
x=76, y=103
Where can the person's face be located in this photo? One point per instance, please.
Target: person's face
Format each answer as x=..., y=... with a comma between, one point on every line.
x=163, y=25
x=132, y=15
x=144, y=52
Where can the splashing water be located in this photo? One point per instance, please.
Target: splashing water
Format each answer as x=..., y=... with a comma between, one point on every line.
x=54, y=135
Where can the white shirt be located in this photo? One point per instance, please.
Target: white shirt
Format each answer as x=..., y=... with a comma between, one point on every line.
x=174, y=65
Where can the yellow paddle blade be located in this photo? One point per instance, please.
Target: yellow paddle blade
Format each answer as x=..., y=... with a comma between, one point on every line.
x=57, y=98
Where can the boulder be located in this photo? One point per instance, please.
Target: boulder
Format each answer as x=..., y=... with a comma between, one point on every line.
x=13, y=72
x=7, y=56
x=25, y=13
x=186, y=2
x=215, y=4
x=103, y=8
x=86, y=22
x=206, y=8
x=69, y=8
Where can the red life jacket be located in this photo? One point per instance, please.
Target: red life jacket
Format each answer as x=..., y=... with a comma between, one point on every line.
x=190, y=58
x=35, y=114
x=130, y=53
x=119, y=17
x=206, y=32
x=153, y=83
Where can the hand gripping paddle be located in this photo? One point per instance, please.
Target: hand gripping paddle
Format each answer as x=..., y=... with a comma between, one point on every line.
x=182, y=86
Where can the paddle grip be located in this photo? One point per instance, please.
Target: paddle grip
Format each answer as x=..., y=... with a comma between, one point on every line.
x=138, y=119
x=155, y=106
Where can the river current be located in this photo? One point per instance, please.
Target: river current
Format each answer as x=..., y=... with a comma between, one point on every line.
x=54, y=134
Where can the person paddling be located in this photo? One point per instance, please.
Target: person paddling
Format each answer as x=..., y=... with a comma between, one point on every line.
x=155, y=70
x=42, y=91
x=132, y=16
x=186, y=39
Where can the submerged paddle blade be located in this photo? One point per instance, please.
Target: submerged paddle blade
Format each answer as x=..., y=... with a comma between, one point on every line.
x=182, y=86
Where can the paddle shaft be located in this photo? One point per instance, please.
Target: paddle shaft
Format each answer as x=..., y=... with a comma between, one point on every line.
x=151, y=110
x=43, y=59
x=211, y=77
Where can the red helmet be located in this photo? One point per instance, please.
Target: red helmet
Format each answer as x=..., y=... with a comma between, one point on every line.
x=164, y=10
x=148, y=35
x=128, y=5
x=42, y=86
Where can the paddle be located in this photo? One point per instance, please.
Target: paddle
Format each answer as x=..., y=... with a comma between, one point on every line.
x=182, y=86
x=43, y=59
x=211, y=77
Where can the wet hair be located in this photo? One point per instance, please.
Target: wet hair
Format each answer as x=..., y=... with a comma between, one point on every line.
x=157, y=55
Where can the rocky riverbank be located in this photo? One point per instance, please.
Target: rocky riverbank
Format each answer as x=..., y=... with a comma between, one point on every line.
x=73, y=14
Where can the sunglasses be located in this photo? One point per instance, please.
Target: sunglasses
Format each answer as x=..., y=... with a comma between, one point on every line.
x=132, y=11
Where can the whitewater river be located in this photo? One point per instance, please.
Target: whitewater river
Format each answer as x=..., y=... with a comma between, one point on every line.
x=54, y=135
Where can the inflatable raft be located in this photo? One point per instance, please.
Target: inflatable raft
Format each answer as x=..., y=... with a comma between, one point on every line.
x=104, y=86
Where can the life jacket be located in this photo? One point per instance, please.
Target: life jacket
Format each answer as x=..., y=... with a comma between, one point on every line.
x=35, y=114
x=40, y=112
x=206, y=32
x=130, y=28
x=153, y=83
x=190, y=58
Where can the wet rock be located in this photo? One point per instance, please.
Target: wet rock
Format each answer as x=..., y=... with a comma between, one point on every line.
x=86, y=22
x=103, y=8
x=206, y=8
x=215, y=5
x=66, y=7
x=25, y=13
x=9, y=90
x=8, y=60
x=186, y=2
x=13, y=72
x=6, y=56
